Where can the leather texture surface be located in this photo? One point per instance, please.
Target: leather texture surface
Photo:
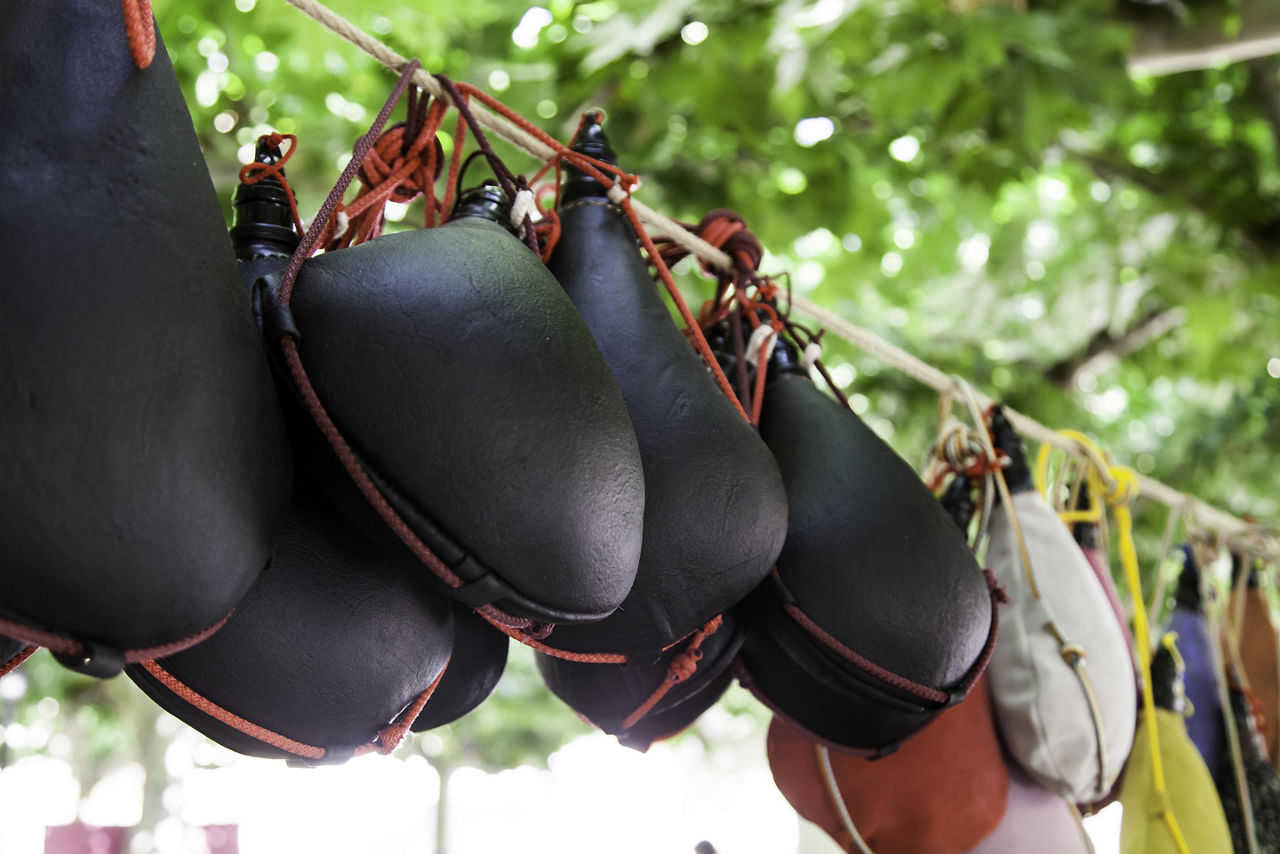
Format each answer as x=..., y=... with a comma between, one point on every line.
x=1041, y=706
x=458, y=370
x=812, y=687
x=941, y=792
x=1260, y=655
x=145, y=471
x=606, y=694
x=330, y=645
x=479, y=658
x=874, y=560
x=716, y=511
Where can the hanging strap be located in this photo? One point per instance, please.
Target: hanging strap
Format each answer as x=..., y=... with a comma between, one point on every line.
x=387, y=739
x=837, y=799
x=1118, y=485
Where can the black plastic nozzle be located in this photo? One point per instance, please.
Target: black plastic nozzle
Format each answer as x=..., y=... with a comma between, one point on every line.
x=785, y=359
x=1166, y=680
x=261, y=214
x=485, y=201
x=959, y=502
x=1017, y=474
x=592, y=141
x=1187, y=596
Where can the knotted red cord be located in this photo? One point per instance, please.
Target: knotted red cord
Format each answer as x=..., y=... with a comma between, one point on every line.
x=680, y=669
x=403, y=164
x=252, y=173
x=140, y=26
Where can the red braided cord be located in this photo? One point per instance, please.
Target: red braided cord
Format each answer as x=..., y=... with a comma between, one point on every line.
x=392, y=734
x=140, y=26
x=229, y=718
x=13, y=663
x=64, y=645
x=680, y=669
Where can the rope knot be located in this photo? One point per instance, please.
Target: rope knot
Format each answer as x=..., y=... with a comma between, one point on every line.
x=726, y=230
x=397, y=159
x=684, y=665
x=1123, y=486
x=257, y=171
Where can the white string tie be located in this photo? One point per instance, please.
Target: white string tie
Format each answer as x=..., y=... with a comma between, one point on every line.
x=812, y=353
x=522, y=206
x=763, y=336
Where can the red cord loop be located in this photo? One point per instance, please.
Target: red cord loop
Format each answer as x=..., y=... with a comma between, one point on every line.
x=140, y=27
x=252, y=173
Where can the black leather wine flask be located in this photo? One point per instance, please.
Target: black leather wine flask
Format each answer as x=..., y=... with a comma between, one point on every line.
x=716, y=510
x=479, y=406
x=145, y=471
x=878, y=616
x=332, y=645
x=479, y=658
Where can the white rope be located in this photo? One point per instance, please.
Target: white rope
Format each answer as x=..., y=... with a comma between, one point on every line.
x=812, y=353
x=523, y=206
x=1241, y=535
x=833, y=788
x=762, y=337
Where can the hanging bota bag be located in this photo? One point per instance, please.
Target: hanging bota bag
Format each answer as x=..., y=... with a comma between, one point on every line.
x=333, y=652
x=479, y=658
x=466, y=399
x=336, y=675
x=715, y=508
x=1035, y=820
x=1061, y=676
x=145, y=471
x=1248, y=617
x=942, y=791
x=1260, y=779
x=878, y=616
x=1205, y=724
x=1184, y=788
x=1086, y=528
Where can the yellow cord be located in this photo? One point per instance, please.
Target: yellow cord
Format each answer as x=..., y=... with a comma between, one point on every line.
x=1095, y=511
x=1118, y=485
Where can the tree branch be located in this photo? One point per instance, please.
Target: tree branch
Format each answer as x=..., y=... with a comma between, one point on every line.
x=1106, y=349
